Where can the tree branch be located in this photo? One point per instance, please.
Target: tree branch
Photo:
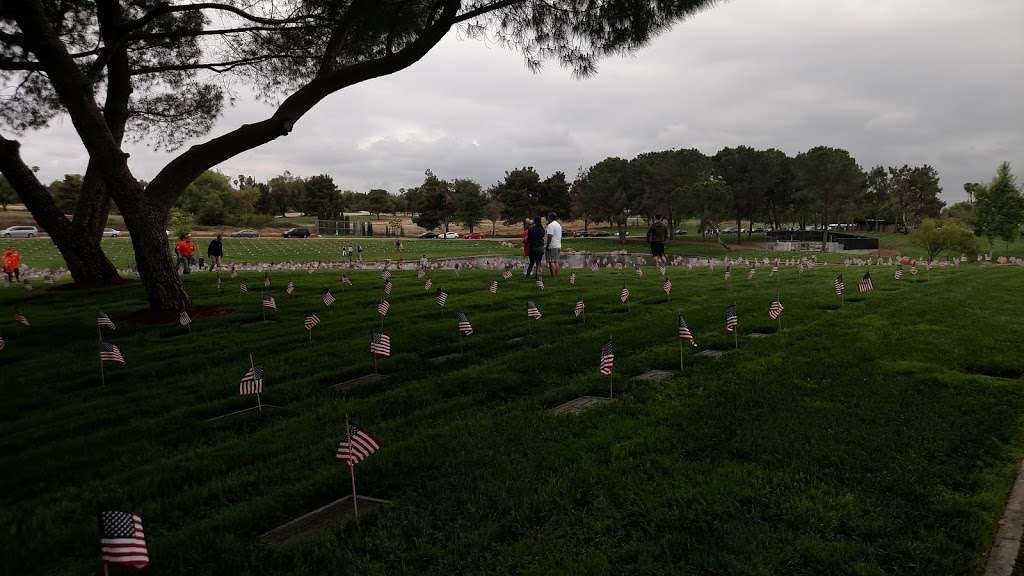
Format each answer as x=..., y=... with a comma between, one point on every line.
x=218, y=67
x=168, y=184
x=164, y=9
x=485, y=9
x=6, y=64
x=35, y=196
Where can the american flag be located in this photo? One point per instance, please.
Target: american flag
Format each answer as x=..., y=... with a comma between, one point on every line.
x=607, y=358
x=346, y=280
x=580, y=308
x=865, y=284
x=728, y=272
x=122, y=540
x=268, y=302
x=252, y=381
x=775, y=309
x=730, y=318
x=243, y=286
x=441, y=298
x=312, y=321
x=20, y=318
x=266, y=280
x=428, y=284
x=493, y=288
x=2, y=343
x=387, y=287
x=624, y=295
x=899, y=272
x=540, y=283
x=684, y=332
x=110, y=353
x=751, y=272
x=218, y=281
x=233, y=274
x=183, y=318
x=667, y=286
x=775, y=269
x=328, y=298
x=572, y=279
x=383, y=307
x=356, y=446
x=103, y=320
x=662, y=270
x=380, y=344
x=464, y=326
x=913, y=268
x=507, y=273
x=532, y=311
x=639, y=272
x=839, y=285
x=385, y=275
x=594, y=267
x=290, y=288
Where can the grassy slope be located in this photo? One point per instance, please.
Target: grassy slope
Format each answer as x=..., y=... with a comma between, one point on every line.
x=853, y=443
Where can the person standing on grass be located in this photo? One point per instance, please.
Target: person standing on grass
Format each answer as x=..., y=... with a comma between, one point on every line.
x=185, y=249
x=553, y=244
x=535, y=243
x=359, y=249
x=215, y=251
x=657, y=234
x=12, y=264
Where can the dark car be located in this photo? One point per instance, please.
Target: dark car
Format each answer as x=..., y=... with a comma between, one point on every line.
x=428, y=235
x=296, y=233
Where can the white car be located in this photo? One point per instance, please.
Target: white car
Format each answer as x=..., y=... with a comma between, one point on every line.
x=111, y=233
x=448, y=235
x=20, y=232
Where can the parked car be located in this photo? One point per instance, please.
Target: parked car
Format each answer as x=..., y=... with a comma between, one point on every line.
x=428, y=235
x=111, y=233
x=599, y=233
x=449, y=235
x=247, y=233
x=19, y=232
x=680, y=232
x=473, y=236
x=296, y=233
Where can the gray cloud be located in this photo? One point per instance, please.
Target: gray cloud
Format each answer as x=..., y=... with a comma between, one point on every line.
x=908, y=81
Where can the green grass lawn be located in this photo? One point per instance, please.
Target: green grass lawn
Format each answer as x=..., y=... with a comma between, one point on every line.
x=856, y=441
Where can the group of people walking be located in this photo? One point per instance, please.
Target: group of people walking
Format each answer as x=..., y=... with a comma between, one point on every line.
x=186, y=249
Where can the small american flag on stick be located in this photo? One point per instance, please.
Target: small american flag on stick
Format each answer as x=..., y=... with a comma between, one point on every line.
x=312, y=321
x=667, y=286
x=572, y=279
x=607, y=358
x=775, y=309
x=507, y=273
x=266, y=280
x=728, y=272
x=751, y=272
x=465, y=328
x=290, y=288
x=540, y=283
x=493, y=287
x=356, y=446
x=684, y=332
x=20, y=318
x=899, y=272
x=624, y=295
x=243, y=286
x=328, y=298
x=428, y=284
x=110, y=353
x=840, y=286
x=233, y=274
x=103, y=320
x=383, y=307
x=913, y=268
x=3, y=344
x=346, y=280
x=252, y=381
x=184, y=319
x=122, y=540
x=387, y=287
x=380, y=344
x=580, y=308
x=532, y=312
x=865, y=284
x=730, y=318
x=441, y=298
x=639, y=272
x=268, y=302
x=385, y=275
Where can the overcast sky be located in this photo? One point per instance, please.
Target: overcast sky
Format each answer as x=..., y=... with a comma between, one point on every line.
x=893, y=81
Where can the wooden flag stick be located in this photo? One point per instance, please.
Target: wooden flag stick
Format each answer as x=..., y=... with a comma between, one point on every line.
x=259, y=402
x=103, y=377
x=611, y=395
x=106, y=570
x=262, y=307
x=680, y=354
x=374, y=362
x=736, y=335
x=352, y=472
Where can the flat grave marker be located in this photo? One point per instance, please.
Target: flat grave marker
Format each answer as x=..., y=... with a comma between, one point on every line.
x=358, y=382
x=580, y=405
x=333, y=515
x=655, y=375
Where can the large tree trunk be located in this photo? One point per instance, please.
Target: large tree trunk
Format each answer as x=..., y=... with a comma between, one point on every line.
x=164, y=289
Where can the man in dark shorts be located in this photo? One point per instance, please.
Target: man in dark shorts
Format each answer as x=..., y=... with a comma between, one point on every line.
x=657, y=234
